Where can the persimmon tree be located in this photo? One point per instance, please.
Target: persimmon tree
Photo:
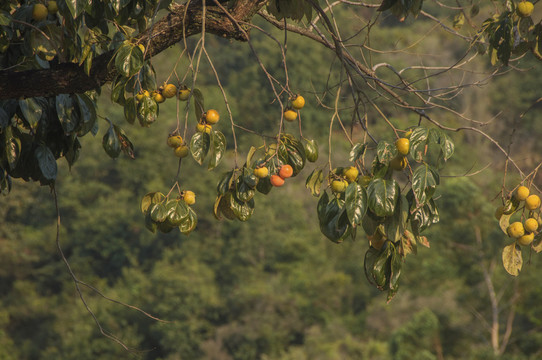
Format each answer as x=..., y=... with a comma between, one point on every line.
x=55, y=58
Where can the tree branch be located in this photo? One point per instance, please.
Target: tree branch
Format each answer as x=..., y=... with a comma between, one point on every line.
x=182, y=20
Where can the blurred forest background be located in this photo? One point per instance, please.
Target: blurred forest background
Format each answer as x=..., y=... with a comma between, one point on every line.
x=275, y=287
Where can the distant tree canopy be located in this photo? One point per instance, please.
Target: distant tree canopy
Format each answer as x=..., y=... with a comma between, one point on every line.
x=56, y=57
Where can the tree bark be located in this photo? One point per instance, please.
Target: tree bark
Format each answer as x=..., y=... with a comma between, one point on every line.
x=182, y=21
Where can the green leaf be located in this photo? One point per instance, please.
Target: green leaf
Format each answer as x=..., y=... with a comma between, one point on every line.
x=150, y=199
x=31, y=110
x=147, y=111
x=177, y=211
x=45, y=42
x=46, y=162
x=87, y=111
x=158, y=212
x=355, y=203
x=242, y=210
x=129, y=59
x=424, y=182
x=199, y=146
x=149, y=223
x=395, y=273
x=314, y=182
x=382, y=196
x=418, y=140
x=111, y=144
x=395, y=225
x=446, y=145
x=385, y=152
x=357, y=151
x=333, y=220
x=311, y=150
x=130, y=107
x=67, y=114
x=381, y=271
x=225, y=182
x=190, y=222
x=264, y=186
x=218, y=148
x=76, y=7
x=511, y=259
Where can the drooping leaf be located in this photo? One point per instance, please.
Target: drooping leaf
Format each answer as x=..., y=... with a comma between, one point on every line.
x=147, y=111
x=424, y=182
x=87, y=111
x=67, y=114
x=385, y=152
x=357, y=151
x=130, y=107
x=355, y=203
x=418, y=142
x=190, y=222
x=199, y=146
x=31, y=110
x=158, y=212
x=217, y=148
x=382, y=196
x=314, y=182
x=395, y=225
x=177, y=211
x=110, y=143
x=46, y=162
x=511, y=259
x=129, y=59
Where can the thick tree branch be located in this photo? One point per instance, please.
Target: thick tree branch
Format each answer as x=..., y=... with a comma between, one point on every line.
x=182, y=21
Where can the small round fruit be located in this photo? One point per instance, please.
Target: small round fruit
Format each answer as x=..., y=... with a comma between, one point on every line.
x=526, y=239
x=183, y=94
x=39, y=12
x=181, y=151
x=522, y=193
x=399, y=163
x=403, y=146
x=276, y=180
x=516, y=230
x=261, y=172
x=499, y=212
x=525, y=8
x=290, y=115
x=169, y=91
x=339, y=186
x=52, y=7
x=189, y=197
x=351, y=174
x=298, y=102
x=532, y=202
x=159, y=98
x=286, y=171
x=142, y=94
x=204, y=128
x=530, y=225
x=174, y=141
x=212, y=117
